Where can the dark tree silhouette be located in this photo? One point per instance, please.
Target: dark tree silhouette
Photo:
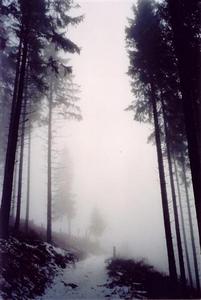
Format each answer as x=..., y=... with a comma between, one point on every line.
x=174, y=200
x=145, y=46
x=185, y=21
x=156, y=84
x=34, y=25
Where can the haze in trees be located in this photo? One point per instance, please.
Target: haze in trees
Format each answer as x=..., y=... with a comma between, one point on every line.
x=97, y=224
x=108, y=207
x=64, y=205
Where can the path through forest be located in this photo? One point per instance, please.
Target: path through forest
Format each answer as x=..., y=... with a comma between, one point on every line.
x=84, y=280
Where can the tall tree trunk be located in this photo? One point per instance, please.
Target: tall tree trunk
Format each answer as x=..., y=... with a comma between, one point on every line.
x=5, y=109
x=49, y=168
x=17, y=79
x=12, y=213
x=166, y=215
x=21, y=161
x=15, y=92
x=11, y=150
x=187, y=65
x=28, y=178
x=183, y=224
x=191, y=226
x=174, y=200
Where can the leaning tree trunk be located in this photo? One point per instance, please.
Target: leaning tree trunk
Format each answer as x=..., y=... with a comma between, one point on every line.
x=49, y=167
x=187, y=65
x=11, y=149
x=21, y=162
x=174, y=200
x=166, y=215
x=183, y=224
x=28, y=177
x=191, y=225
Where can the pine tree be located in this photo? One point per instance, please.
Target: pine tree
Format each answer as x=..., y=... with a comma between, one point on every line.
x=61, y=102
x=174, y=200
x=35, y=24
x=145, y=46
x=185, y=21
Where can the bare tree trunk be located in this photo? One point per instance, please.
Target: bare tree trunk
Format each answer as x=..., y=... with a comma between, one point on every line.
x=11, y=150
x=28, y=178
x=13, y=104
x=49, y=168
x=4, y=123
x=174, y=200
x=183, y=225
x=191, y=226
x=12, y=213
x=21, y=161
x=166, y=216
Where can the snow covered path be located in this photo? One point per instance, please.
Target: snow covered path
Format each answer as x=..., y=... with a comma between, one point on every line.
x=83, y=281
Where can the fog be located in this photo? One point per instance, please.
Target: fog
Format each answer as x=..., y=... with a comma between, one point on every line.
x=114, y=169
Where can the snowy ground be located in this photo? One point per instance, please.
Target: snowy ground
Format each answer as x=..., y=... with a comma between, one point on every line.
x=87, y=278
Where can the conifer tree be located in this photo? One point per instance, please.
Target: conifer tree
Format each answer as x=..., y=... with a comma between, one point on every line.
x=185, y=20
x=34, y=25
x=145, y=47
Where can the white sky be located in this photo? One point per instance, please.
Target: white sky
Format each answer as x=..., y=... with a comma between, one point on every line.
x=114, y=167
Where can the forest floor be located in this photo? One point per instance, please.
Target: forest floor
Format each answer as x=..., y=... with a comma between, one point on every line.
x=28, y=267
x=98, y=277
x=37, y=270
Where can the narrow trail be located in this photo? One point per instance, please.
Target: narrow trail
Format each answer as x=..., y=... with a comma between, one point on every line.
x=85, y=280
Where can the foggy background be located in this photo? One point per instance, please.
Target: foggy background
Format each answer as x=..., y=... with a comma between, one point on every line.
x=114, y=169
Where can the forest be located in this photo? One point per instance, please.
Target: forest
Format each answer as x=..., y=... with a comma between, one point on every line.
x=59, y=205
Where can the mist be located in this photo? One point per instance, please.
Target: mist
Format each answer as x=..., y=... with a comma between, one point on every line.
x=114, y=168
x=98, y=168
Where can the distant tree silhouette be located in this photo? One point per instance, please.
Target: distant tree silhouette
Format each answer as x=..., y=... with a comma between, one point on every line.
x=64, y=199
x=62, y=101
x=97, y=224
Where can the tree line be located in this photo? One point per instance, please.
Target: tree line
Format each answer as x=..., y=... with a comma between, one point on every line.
x=163, y=43
x=36, y=84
